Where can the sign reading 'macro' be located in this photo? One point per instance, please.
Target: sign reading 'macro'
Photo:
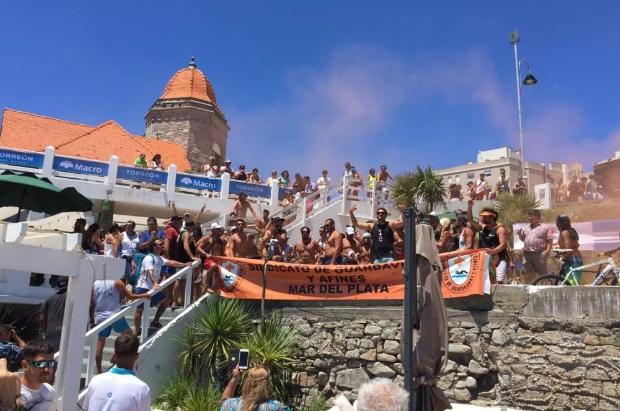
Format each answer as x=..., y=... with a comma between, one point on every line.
x=198, y=183
x=21, y=159
x=79, y=166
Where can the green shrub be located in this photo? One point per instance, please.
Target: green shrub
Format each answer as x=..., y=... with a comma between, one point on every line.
x=186, y=394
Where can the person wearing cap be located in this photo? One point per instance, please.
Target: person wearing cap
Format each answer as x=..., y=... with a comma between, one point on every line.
x=226, y=168
x=365, y=255
x=240, y=174
x=383, y=234
x=208, y=247
x=307, y=249
x=350, y=246
x=446, y=238
x=211, y=169
x=492, y=237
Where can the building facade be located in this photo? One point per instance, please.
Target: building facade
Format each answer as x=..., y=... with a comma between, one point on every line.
x=607, y=174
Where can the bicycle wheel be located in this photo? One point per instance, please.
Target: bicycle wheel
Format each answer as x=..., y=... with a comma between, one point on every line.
x=551, y=279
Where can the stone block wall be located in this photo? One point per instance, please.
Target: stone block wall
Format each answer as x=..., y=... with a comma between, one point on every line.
x=494, y=357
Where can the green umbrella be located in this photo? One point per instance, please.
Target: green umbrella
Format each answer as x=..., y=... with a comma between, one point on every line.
x=27, y=191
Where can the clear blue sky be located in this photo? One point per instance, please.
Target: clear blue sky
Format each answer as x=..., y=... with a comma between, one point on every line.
x=310, y=84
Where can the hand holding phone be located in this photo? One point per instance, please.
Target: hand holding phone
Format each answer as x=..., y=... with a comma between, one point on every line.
x=244, y=359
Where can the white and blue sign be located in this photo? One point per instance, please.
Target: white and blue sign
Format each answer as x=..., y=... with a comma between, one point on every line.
x=21, y=159
x=252, y=190
x=79, y=166
x=282, y=192
x=143, y=175
x=198, y=183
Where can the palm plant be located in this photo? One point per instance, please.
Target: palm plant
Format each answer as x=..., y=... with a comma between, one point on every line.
x=183, y=393
x=220, y=324
x=513, y=208
x=273, y=345
x=422, y=186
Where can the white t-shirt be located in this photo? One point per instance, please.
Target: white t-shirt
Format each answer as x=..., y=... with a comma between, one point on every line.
x=150, y=262
x=129, y=245
x=323, y=182
x=43, y=399
x=117, y=390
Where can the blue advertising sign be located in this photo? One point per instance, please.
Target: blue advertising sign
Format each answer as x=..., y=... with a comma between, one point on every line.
x=282, y=192
x=143, y=175
x=79, y=166
x=252, y=190
x=21, y=159
x=198, y=183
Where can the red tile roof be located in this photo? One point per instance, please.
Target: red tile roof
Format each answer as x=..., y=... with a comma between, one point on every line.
x=189, y=82
x=35, y=132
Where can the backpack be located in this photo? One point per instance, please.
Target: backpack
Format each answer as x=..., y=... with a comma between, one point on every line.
x=137, y=259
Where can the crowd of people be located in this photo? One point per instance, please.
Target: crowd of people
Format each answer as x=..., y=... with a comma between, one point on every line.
x=578, y=189
x=486, y=190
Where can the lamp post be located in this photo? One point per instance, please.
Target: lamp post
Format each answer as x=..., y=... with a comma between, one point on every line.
x=529, y=80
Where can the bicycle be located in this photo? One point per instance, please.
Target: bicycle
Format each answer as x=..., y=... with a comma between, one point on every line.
x=566, y=275
x=610, y=274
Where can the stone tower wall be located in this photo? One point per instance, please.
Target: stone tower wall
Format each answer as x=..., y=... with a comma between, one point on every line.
x=197, y=129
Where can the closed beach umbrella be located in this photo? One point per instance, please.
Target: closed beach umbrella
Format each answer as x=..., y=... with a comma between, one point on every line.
x=27, y=191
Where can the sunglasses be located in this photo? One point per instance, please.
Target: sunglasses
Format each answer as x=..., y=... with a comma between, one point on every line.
x=305, y=232
x=381, y=212
x=41, y=364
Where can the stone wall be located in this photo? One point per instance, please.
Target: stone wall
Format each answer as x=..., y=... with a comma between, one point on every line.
x=495, y=357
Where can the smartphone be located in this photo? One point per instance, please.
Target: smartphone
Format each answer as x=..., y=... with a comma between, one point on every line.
x=244, y=359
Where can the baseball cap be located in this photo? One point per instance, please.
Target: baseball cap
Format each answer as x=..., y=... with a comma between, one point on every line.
x=215, y=226
x=434, y=214
x=350, y=230
x=187, y=214
x=488, y=214
x=227, y=161
x=366, y=235
x=176, y=218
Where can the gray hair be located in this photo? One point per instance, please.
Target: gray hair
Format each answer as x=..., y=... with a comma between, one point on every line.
x=381, y=394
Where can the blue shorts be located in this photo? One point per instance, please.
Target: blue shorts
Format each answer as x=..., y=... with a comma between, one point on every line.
x=119, y=326
x=383, y=260
x=155, y=299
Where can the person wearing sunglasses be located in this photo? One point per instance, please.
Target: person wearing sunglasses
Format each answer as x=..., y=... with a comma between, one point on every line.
x=39, y=368
x=384, y=235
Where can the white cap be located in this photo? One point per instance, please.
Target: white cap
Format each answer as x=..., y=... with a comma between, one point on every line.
x=215, y=226
x=366, y=235
x=350, y=230
x=434, y=213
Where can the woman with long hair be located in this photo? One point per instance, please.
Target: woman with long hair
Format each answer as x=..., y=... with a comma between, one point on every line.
x=569, y=240
x=157, y=163
x=254, y=393
x=446, y=238
x=91, y=240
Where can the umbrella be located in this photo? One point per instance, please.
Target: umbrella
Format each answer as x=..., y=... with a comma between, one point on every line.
x=27, y=191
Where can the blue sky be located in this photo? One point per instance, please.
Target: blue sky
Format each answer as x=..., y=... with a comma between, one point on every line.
x=307, y=85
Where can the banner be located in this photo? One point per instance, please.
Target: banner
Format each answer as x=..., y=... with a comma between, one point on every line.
x=463, y=275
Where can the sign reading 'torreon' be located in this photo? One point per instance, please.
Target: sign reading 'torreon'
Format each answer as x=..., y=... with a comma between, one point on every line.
x=21, y=159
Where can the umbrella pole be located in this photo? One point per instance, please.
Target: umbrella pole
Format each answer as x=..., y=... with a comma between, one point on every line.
x=410, y=305
x=21, y=203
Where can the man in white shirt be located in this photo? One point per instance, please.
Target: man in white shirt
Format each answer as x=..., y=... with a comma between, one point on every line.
x=119, y=389
x=39, y=368
x=323, y=182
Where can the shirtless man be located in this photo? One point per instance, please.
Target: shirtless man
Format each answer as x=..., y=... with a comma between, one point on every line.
x=262, y=223
x=239, y=243
x=208, y=247
x=307, y=249
x=242, y=206
x=365, y=256
x=333, y=245
x=350, y=246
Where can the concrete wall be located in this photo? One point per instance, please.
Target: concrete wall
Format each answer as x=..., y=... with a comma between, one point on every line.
x=159, y=357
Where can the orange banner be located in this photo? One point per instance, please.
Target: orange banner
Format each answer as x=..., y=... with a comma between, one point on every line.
x=463, y=275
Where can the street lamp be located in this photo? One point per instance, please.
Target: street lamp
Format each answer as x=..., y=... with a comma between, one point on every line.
x=529, y=80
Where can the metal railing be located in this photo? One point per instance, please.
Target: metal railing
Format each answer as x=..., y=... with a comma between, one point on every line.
x=92, y=334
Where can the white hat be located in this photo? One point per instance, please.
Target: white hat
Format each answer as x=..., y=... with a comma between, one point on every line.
x=366, y=235
x=215, y=226
x=434, y=213
x=350, y=230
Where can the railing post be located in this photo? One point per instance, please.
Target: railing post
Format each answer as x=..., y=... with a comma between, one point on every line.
x=373, y=200
x=225, y=186
x=110, y=180
x=145, y=320
x=91, y=366
x=188, y=288
x=172, y=179
x=304, y=210
x=344, y=196
x=275, y=193
x=48, y=161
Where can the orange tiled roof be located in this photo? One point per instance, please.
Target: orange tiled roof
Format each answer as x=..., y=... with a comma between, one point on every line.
x=189, y=82
x=34, y=132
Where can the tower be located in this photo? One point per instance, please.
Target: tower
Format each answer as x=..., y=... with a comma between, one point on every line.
x=187, y=114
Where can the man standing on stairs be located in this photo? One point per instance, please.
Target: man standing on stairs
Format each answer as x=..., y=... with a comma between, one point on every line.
x=105, y=301
x=333, y=245
x=239, y=243
x=150, y=276
x=119, y=389
x=383, y=234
